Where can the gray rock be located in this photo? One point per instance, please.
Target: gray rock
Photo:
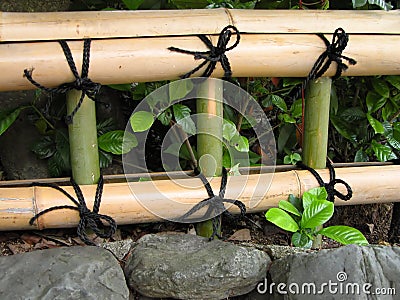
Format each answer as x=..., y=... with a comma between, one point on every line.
x=63, y=273
x=347, y=268
x=185, y=266
x=119, y=248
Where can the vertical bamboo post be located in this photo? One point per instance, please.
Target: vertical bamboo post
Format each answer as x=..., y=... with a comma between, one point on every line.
x=209, y=143
x=316, y=123
x=84, y=153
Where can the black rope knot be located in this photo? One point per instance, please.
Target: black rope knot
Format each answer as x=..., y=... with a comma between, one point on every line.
x=330, y=186
x=215, y=54
x=81, y=83
x=88, y=219
x=215, y=205
x=333, y=53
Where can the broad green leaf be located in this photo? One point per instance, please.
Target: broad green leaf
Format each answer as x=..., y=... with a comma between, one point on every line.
x=380, y=87
x=382, y=152
x=179, y=89
x=226, y=159
x=10, y=118
x=376, y=125
x=318, y=193
x=182, y=117
x=241, y=143
x=291, y=81
x=132, y=4
x=388, y=111
x=353, y=114
x=392, y=135
x=296, y=109
x=234, y=170
x=41, y=126
x=344, y=128
x=301, y=240
x=105, y=159
x=296, y=202
x=187, y=125
x=229, y=130
x=344, y=235
x=181, y=111
x=105, y=126
x=141, y=121
x=287, y=118
x=394, y=80
x=292, y=158
x=359, y=3
x=317, y=213
x=375, y=101
x=278, y=102
x=165, y=117
x=127, y=87
x=289, y=207
x=117, y=142
x=281, y=219
x=44, y=148
x=62, y=154
x=53, y=167
x=360, y=156
x=286, y=134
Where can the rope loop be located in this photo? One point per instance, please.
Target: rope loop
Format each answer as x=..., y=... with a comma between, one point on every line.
x=215, y=54
x=81, y=83
x=88, y=219
x=215, y=205
x=330, y=186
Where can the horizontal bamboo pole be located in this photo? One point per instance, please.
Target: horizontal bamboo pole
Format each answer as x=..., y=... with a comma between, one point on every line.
x=118, y=24
x=18, y=205
x=148, y=59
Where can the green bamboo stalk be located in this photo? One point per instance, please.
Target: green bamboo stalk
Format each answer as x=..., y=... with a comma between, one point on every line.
x=316, y=123
x=209, y=145
x=84, y=152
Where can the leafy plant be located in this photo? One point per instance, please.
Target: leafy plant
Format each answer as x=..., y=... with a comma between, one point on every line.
x=302, y=217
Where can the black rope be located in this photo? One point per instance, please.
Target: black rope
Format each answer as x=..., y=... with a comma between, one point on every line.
x=215, y=54
x=333, y=53
x=90, y=219
x=330, y=186
x=215, y=204
x=82, y=83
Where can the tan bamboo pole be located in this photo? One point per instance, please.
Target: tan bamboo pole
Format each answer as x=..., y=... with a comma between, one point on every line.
x=148, y=59
x=122, y=24
x=18, y=205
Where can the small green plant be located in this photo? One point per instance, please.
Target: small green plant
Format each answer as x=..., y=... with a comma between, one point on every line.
x=302, y=217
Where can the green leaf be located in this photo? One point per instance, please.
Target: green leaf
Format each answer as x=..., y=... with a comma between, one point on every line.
x=62, y=155
x=234, y=170
x=296, y=202
x=361, y=156
x=388, y=110
x=380, y=87
x=382, y=152
x=394, y=80
x=105, y=159
x=296, y=110
x=117, y=142
x=165, y=117
x=10, y=118
x=286, y=118
x=289, y=207
x=278, y=102
x=353, y=114
x=376, y=125
x=132, y=4
x=344, y=128
x=359, y=3
x=344, y=235
x=44, y=148
x=141, y=121
x=53, y=167
x=301, y=240
x=229, y=130
x=281, y=219
x=286, y=134
x=127, y=87
x=179, y=89
x=375, y=101
x=182, y=116
x=392, y=135
x=317, y=213
x=381, y=3
x=318, y=193
x=292, y=158
x=241, y=143
x=105, y=126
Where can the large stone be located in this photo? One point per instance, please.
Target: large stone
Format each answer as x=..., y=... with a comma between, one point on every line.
x=185, y=266
x=63, y=273
x=339, y=273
